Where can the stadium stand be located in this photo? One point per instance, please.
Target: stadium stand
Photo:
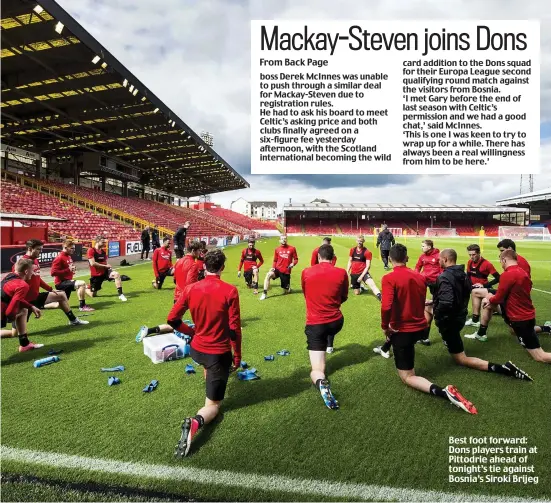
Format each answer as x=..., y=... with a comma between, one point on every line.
x=242, y=220
x=82, y=224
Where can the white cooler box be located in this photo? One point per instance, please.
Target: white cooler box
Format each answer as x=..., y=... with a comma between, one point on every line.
x=163, y=348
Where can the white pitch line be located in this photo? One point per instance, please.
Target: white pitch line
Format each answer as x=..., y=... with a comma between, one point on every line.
x=542, y=291
x=250, y=481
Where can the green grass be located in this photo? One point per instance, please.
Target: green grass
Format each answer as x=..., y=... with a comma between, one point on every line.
x=385, y=433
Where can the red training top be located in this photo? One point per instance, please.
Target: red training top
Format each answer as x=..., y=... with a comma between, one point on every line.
x=101, y=258
x=16, y=290
x=62, y=268
x=36, y=282
x=325, y=288
x=250, y=258
x=214, y=307
x=524, y=265
x=403, y=304
x=284, y=256
x=514, y=293
x=429, y=265
x=479, y=271
x=314, y=259
x=161, y=260
x=185, y=273
x=359, y=258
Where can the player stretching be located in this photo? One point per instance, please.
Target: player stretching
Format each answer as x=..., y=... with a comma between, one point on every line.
x=325, y=288
x=479, y=269
x=252, y=259
x=514, y=295
x=358, y=267
x=451, y=301
x=403, y=322
x=100, y=270
x=385, y=241
x=214, y=307
x=40, y=299
x=429, y=266
x=482, y=293
x=63, y=270
x=180, y=240
x=285, y=258
x=162, y=264
x=15, y=287
x=314, y=259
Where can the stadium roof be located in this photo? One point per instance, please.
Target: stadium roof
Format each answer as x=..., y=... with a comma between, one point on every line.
x=64, y=93
x=21, y=216
x=376, y=207
x=526, y=199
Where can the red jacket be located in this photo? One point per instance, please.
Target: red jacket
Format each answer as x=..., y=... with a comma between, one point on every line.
x=214, y=307
x=524, y=265
x=14, y=291
x=185, y=273
x=325, y=288
x=250, y=258
x=359, y=259
x=514, y=292
x=314, y=259
x=403, y=305
x=479, y=271
x=429, y=265
x=161, y=260
x=62, y=268
x=36, y=282
x=284, y=256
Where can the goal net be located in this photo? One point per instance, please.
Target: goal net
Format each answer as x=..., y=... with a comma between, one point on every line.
x=396, y=231
x=524, y=233
x=440, y=232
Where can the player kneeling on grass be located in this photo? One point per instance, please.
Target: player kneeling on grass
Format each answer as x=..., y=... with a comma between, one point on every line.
x=403, y=322
x=15, y=288
x=50, y=296
x=252, y=259
x=518, y=310
x=325, y=288
x=451, y=302
x=162, y=264
x=100, y=270
x=214, y=307
x=285, y=258
x=63, y=270
x=359, y=264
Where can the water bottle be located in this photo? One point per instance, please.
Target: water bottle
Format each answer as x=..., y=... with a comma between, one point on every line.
x=45, y=361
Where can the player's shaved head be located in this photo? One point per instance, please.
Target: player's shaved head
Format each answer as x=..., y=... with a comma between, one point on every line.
x=448, y=256
x=508, y=256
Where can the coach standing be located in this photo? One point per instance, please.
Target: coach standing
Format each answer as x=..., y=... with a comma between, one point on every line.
x=385, y=242
x=146, y=242
x=180, y=240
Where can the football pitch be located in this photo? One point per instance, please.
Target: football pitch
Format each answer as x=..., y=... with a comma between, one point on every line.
x=66, y=430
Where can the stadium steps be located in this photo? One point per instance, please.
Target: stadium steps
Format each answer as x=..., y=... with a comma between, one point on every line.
x=339, y=230
x=63, y=193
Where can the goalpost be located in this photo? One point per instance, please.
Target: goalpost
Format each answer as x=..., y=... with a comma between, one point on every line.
x=524, y=233
x=440, y=232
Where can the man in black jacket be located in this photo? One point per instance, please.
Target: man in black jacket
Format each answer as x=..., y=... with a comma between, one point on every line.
x=145, y=242
x=385, y=242
x=155, y=241
x=180, y=240
x=450, y=307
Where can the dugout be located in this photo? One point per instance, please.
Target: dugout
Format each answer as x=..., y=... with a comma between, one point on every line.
x=537, y=204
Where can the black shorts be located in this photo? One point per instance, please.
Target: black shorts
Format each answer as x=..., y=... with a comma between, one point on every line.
x=354, y=280
x=524, y=330
x=451, y=336
x=39, y=303
x=432, y=288
x=285, y=279
x=161, y=278
x=67, y=286
x=178, y=253
x=248, y=275
x=97, y=281
x=218, y=372
x=403, y=347
x=317, y=335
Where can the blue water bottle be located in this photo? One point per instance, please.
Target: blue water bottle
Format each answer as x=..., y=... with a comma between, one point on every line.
x=45, y=361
